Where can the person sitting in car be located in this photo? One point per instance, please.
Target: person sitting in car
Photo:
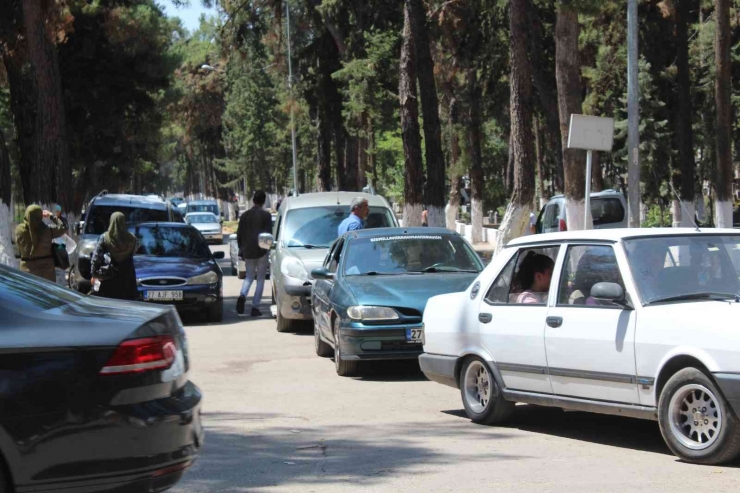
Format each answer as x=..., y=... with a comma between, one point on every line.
x=534, y=276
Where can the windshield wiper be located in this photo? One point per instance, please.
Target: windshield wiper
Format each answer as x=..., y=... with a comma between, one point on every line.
x=698, y=296
x=444, y=269
x=308, y=247
x=376, y=273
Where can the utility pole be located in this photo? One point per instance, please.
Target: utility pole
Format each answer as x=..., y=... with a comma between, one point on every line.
x=633, y=117
x=292, y=101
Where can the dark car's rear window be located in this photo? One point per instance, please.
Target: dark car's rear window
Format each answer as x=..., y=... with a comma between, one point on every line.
x=606, y=211
x=98, y=219
x=23, y=292
x=169, y=241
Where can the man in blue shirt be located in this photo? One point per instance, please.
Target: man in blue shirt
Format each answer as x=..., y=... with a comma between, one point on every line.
x=359, y=210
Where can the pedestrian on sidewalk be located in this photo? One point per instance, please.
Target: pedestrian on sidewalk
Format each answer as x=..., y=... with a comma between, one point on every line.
x=253, y=222
x=34, y=238
x=112, y=261
x=359, y=210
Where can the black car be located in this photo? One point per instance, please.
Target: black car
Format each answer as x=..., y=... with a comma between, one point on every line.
x=136, y=208
x=174, y=266
x=94, y=393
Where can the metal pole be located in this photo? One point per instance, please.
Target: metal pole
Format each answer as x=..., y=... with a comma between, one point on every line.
x=633, y=117
x=588, y=189
x=290, y=88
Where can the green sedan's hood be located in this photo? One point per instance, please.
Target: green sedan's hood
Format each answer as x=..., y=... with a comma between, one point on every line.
x=407, y=291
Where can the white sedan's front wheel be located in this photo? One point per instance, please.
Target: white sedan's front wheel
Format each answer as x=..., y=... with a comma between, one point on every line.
x=695, y=420
x=483, y=401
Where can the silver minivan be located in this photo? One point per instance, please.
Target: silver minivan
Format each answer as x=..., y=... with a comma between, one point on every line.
x=608, y=209
x=304, y=229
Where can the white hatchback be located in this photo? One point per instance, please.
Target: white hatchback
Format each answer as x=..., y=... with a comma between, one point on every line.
x=637, y=323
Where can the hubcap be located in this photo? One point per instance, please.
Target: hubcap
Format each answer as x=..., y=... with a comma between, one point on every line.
x=695, y=417
x=477, y=387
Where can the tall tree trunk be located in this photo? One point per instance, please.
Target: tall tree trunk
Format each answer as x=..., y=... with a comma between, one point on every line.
x=453, y=205
x=597, y=176
x=7, y=256
x=540, y=165
x=51, y=172
x=414, y=172
x=722, y=95
x=684, y=132
x=570, y=99
x=476, y=157
x=351, y=162
x=519, y=209
x=323, y=154
x=435, y=184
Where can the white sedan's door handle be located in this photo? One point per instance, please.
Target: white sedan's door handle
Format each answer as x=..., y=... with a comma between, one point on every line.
x=554, y=322
x=485, y=318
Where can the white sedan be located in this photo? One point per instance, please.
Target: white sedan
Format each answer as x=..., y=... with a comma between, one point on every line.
x=208, y=224
x=631, y=322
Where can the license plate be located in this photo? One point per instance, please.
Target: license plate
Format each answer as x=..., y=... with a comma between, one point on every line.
x=415, y=336
x=163, y=295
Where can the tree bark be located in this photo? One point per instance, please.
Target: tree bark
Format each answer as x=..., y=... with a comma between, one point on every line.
x=570, y=99
x=413, y=174
x=685, y=135
x=435, y=184
x=597, y=177
x=323, y=154
x=351, y=163
x=7, y=256
x=476, y=157
x=453, y=205
x=540, y=166
x=722, y=91
x=519, y=209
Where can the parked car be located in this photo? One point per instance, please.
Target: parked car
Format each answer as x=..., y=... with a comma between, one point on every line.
x=176, y=201
x=305, y=228
x=174, y=266
x=635, y=323
x=97, y=219
x=608, y=209
x=237, y=264
x=203, y=206
x=208, y=224
x=96, y=394
x=368, y=297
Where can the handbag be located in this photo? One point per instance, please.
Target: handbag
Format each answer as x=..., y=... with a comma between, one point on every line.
x=107, y=270
x=60, y=256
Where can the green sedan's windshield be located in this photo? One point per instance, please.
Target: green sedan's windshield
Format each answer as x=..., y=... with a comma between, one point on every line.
x=408, y=253
x=685, y=267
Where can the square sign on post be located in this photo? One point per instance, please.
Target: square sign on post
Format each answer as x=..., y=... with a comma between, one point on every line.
x=591, y=133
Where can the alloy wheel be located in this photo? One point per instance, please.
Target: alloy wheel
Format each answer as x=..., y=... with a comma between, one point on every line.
x=695, y=417
x=477, y=384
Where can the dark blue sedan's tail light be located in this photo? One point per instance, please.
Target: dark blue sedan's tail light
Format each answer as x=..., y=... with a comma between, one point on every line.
x=141, y=355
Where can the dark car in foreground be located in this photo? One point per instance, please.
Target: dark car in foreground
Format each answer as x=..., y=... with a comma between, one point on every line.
x=174, y=266
x=136, y=208
x=95, y=392
x=369, y=296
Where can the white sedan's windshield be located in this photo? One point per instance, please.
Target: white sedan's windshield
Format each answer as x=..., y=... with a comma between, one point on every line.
x=201, y=219
x=668, y=268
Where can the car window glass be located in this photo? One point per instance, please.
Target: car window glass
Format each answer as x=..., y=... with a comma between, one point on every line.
x=170, y=242
x=607, y=210
x=276, y=227
x=532, y=275
x=498, y=294
x=212, y=208
x=98, y=219
x=319, y=226
x=552, y=215
x=335, y=257
x=22, y=292
x=201, y=219
x=584, y=267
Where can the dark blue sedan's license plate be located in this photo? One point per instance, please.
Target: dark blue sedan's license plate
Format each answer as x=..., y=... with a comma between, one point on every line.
x=415, y=336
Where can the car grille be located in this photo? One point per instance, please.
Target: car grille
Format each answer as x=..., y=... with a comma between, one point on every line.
x=163, y=281
x=399, y=346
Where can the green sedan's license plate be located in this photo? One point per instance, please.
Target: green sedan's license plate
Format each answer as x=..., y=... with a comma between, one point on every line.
x=415, y=336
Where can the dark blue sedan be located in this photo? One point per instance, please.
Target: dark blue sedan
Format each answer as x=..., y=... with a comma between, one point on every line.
x=174, y=266
x=369, y=296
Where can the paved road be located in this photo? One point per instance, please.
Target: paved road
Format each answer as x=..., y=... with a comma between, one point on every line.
x=279, y=419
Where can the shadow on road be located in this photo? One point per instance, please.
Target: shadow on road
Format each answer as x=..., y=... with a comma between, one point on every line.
x=614, y=431
x=390, y=371
x=313, y=458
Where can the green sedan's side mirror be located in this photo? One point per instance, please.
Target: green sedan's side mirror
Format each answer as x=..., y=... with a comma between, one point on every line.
x=322, y=273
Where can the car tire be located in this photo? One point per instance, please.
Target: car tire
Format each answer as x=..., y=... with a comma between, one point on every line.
x=344, y=368
x=484, y=403
x=715, y=439
x=283, y=324
x=322, y=348
x=4, y=483
x=216, y=313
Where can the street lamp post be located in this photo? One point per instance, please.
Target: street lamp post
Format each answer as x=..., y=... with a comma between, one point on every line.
x=292, y=102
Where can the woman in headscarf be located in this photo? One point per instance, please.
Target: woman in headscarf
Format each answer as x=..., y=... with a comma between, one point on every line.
x=120, y=246
x=34, y=238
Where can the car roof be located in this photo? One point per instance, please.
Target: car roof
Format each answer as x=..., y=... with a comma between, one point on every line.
x=617, y=234
x=134, y=200
x=202, y=202
x=603, y=193
x=330, y=198
x=200, y=213
x=376, y=232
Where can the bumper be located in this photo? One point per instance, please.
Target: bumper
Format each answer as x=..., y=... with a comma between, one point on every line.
x=195, y=298
x=142, y=447
x=294, y=299
x=213, y=236
x=440, y=369
x=729, y=384
x=363, y=343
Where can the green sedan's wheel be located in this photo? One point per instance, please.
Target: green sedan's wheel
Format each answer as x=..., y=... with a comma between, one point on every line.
x=344, y=368
x=322, y=348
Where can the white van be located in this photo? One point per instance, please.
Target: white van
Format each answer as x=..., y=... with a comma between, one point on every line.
x=608, y=209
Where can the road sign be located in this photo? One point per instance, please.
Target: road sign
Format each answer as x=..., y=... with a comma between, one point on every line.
x=592, y=133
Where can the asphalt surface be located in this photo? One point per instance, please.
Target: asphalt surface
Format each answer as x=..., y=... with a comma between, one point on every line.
x=279, y=419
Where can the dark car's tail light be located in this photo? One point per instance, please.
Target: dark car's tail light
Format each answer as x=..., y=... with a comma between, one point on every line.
x=563, y=226
x=141, y=355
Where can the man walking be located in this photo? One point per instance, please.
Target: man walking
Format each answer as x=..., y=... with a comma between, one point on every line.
x=252, y=223
x=358, y=211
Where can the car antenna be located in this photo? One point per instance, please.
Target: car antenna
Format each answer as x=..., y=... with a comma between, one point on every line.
x=683, y=208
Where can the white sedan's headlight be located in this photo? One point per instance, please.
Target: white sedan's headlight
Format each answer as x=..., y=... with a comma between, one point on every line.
x=292, y=267
x=208, y=278
x=372, y=313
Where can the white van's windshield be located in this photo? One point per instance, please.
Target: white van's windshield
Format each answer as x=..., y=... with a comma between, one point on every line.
x=317, y=226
